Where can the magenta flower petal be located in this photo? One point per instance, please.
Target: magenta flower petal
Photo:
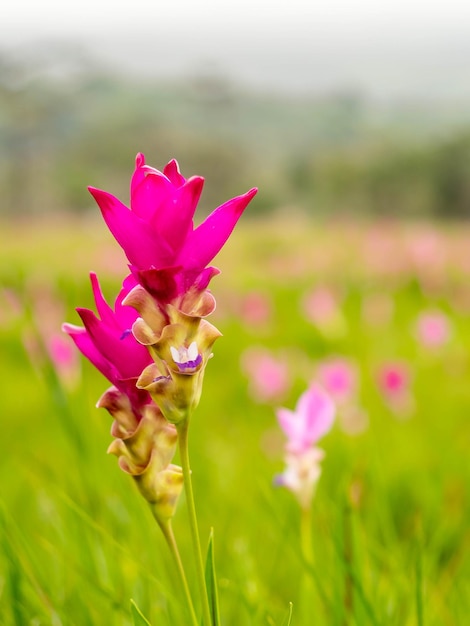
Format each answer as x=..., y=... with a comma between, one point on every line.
x=119, y=348
x=205, y=277
x=177, y=225
x=157, y=232
x=152, y=196
x=161, y=284
x=206, y=241
x=133, y=235
x=105, y=312
x=109, y=344
x=125, y=315
x=84, y=343
x=139, y=172
x=172, y=171
x=168, y=210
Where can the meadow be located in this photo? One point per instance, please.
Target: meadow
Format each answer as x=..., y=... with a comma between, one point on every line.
x=390, y=516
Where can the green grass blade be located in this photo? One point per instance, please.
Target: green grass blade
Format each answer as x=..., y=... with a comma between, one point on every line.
x=419, y=590
x=288, y=619
x=137, y=616
x=211, y=582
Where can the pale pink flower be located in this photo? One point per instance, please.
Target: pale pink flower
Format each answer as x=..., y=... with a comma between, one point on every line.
x=256, y=309
x=433, y=329
x=301, y=474
x=312, y=418
x=339, y=378
x=269, y=378
x=427, y=250
x=64, y=358
x=320, y=306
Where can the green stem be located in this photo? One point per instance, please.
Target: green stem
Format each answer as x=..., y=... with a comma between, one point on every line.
x=169, y=535
x=306, y=582
x=306, y=535
x=183, y=428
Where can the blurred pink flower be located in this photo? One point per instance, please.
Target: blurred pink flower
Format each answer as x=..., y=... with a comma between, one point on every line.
x=301, y=474
x=43, y=344
x=427, y=250
x=157, y=234
x=320, y=305
x=394, y=381
x=256, y=309
x=339, y=378
x=269, y=378
x=60, y=351
x=64, y=359
x=433, y=329
x=321, y=308
x=312, y=419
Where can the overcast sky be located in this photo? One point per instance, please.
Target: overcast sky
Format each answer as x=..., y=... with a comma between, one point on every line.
x=386, y=47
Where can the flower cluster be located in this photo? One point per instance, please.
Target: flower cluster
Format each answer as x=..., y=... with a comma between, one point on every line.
x=154, y=344
x=312, y=419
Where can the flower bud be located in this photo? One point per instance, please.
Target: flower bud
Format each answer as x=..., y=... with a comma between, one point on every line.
x=145, y=449
x=175, y=379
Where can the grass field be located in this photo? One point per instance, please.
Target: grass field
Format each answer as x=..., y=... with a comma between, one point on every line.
x=390, y=525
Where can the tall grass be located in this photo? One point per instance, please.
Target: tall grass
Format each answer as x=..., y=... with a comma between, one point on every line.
x=390, y=522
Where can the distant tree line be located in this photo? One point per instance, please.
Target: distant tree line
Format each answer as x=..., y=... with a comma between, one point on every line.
x=62, y=131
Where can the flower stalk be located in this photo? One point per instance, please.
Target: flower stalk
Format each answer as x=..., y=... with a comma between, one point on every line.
x=154, y=344
x=167, y=530
x=183, y=432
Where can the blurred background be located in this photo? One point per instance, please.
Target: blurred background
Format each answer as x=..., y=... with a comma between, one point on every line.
x=328, y=107
x=350, y=268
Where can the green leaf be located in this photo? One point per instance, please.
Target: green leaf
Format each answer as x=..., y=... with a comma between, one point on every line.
x=419, y=590
x=288, y=619
x=211, y=582
x=137, y=615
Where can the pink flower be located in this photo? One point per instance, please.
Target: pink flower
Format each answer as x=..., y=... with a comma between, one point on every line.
x=157, y=233
x=339, y=378
x=393, y=379
x=64, y=358
x=107, y=342
x=394, y=383
x=433, y=329
x=301, y=474
x=320, y=306
x=256, y=309
x=268, y=375
x=312, y=419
